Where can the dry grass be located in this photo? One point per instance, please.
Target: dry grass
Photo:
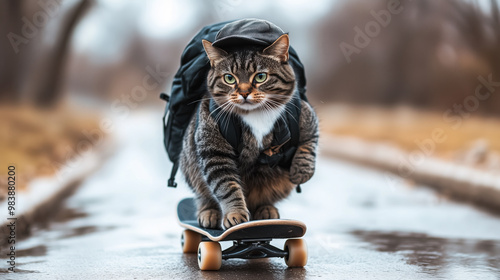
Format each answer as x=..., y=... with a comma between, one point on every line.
x=404, y=127
x=38, y=141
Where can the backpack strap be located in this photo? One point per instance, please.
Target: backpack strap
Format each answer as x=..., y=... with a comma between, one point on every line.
x=229, y=126
x=287, y=143
x=274, y=156
x=286, y=146
x=294, y=109
x=171, y=181
x=293, y=121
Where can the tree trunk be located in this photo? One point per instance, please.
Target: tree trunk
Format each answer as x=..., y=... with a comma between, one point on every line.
x=48, y=91
x=10, y=21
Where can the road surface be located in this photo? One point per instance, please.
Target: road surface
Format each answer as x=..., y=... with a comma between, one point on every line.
x=121, y=224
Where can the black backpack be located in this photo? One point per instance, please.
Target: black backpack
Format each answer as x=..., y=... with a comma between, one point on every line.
x=189, y=87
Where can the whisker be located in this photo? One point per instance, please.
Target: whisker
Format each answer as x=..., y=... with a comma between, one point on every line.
x=283, y=98
x=227, y=118
x=221, y=106
x=280, y=115
x=221, y=112
x=268, y=108
x=202, y=99
x=286, y=109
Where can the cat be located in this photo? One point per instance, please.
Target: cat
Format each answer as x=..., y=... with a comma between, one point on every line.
x=255, y=84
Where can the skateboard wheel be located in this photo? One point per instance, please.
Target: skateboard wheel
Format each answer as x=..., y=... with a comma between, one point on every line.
x=190, y=241
x=209, y=255
x=297, y=252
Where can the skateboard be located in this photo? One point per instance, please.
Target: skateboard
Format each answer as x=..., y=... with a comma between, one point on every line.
x=251, y=240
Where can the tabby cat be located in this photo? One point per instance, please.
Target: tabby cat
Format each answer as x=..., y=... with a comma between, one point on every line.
x=255, y=84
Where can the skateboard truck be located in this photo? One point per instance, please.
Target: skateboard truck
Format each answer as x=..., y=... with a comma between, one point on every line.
x=253, y=249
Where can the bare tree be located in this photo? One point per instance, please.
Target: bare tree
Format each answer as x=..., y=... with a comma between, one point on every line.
x=10, y=19
x=48, y=91
x=19, y=59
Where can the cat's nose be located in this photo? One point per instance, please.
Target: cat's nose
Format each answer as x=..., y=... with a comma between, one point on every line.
x=245, y=89
x=244, y=94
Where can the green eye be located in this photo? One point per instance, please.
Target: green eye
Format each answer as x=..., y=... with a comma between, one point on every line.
x=230, y=79
x=260, y=77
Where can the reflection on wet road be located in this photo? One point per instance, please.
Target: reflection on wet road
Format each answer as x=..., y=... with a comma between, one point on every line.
x=121, y=224
x=438, y=256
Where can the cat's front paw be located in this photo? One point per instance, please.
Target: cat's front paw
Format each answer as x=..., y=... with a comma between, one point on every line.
x=236, y=216
x=300, y=175
x=209, y=218
x=266, y=212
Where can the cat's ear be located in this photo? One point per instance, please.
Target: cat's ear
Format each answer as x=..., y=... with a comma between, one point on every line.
x=214, y=54
x=279, y=49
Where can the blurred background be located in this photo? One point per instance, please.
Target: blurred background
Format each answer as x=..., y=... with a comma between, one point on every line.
x=409, y=87
x=383, y=71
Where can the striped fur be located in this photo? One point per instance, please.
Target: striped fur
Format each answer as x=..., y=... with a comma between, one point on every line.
x=229, y=188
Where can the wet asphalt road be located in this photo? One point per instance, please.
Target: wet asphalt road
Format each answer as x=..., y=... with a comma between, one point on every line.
x=121, y=224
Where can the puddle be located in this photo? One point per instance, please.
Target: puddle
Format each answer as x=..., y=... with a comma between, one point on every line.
x=68, y=214
x=83, y=230
x=17, y=270
x=79, y=231
x=436, y=255
x=36, y=251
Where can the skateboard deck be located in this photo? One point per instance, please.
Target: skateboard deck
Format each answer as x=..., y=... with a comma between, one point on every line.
x=251, y=240
x=260, y=229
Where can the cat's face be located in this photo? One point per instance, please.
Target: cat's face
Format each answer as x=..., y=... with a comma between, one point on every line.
x=245, y=80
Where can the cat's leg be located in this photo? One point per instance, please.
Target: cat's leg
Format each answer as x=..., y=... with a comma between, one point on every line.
x=223, y=181
x=232, y=202
x=209, y=214
x=218, y=166
x=303, y=163
x=266, y=212
x=208, y=210
x=264, y=190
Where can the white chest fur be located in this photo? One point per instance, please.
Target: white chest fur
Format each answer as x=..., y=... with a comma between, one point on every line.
x=261, y=122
